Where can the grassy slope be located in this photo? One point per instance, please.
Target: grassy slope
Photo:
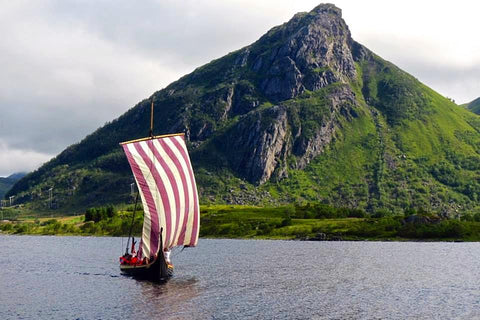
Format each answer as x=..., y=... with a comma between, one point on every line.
x=376, y=165
x=5, y=185
x=473, y=106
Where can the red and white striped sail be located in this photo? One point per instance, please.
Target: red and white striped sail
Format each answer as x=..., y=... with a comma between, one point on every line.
x=166, y=183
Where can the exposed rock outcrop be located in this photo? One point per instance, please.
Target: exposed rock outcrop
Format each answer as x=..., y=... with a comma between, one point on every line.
x=341, y=103
x=310, y=52
x=259, y=145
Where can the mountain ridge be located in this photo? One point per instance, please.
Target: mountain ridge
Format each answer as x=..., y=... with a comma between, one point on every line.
x=6, y=183
x=473, y=106
x=305, y=113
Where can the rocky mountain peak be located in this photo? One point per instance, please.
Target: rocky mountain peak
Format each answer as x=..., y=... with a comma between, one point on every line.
x=302, y=59
x=311, y=51
x=328, y=8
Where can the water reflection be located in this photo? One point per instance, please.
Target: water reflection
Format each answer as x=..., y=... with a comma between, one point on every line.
x=167, y=300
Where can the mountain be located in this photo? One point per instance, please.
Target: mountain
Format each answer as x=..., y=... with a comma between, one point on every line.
x=305, y=113
x=473, y=106
x=8, y=182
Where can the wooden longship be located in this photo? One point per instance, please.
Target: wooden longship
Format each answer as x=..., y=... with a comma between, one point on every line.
x=166, y=184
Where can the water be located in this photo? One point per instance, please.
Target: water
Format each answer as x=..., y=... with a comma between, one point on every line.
x=78, y=278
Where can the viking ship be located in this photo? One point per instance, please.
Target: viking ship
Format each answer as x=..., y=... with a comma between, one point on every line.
x=166, y=184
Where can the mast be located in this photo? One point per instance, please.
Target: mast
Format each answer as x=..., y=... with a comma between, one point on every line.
x=151, y=120
x=136, y=199
x=166, y=184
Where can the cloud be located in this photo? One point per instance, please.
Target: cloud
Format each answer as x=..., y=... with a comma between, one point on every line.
x=70, y=66
x=60, y=83
x=18, y=160
x=456, y=79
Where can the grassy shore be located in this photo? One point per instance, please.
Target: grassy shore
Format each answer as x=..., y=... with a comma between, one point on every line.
x=309, y=222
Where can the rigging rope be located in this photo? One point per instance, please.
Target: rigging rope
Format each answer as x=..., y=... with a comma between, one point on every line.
x=131, y=225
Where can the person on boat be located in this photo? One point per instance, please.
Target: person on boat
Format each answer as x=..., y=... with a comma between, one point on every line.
x=133, y=246
x=167, y=256
x=132, y=257
x=126, y=258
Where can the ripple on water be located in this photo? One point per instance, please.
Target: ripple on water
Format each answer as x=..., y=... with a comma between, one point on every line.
x=78, y=278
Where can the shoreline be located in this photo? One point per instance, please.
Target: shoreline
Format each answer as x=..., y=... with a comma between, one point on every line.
x=451, y=240
x=263, y=223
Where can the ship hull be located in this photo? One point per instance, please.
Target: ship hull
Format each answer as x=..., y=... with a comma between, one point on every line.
x=157, y=271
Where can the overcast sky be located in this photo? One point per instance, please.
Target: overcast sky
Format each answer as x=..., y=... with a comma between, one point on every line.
x=67, y=67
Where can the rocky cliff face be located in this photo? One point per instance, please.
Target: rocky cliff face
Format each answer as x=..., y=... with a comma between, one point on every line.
x=260, y=144
x=341, y=103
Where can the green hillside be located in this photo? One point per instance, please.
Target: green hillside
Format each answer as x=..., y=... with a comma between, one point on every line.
x=8, y=182
x=303, y=114
x=5, y=185
x=473, y=106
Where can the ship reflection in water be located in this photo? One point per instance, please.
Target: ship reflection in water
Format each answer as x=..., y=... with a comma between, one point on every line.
x=167, y=300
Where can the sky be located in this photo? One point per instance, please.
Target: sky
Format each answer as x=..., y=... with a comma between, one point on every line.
x=69, y=66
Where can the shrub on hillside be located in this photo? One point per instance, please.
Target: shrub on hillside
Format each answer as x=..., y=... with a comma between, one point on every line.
x=325, y=211
x=101, y=213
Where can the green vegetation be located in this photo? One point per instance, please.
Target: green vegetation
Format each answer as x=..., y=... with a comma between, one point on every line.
x=100, y=221
x=8, y=182
x=320, y=221
x=5, y=185
x=98, y=214
x=473, y=106
x=314, y=221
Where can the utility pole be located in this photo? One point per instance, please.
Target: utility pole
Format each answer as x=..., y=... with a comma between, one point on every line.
x=132, y=188
x=50, y=192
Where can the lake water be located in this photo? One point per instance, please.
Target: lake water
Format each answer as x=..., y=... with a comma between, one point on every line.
x=78, y=278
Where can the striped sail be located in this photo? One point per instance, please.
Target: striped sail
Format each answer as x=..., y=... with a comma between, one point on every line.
x=166, y=183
